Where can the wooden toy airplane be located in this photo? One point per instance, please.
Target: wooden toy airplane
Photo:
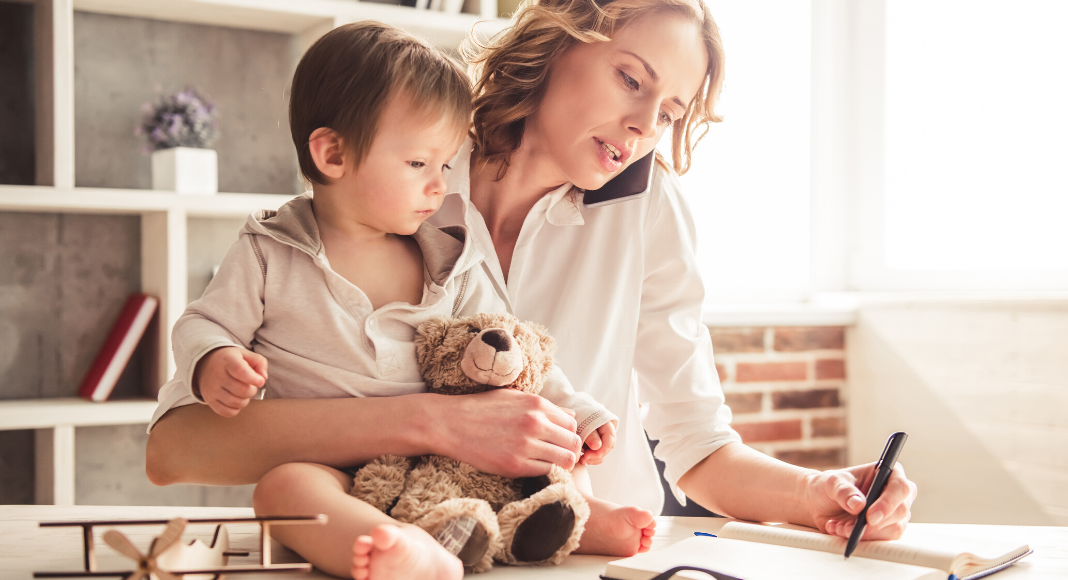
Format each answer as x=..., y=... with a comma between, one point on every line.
x=169, y=559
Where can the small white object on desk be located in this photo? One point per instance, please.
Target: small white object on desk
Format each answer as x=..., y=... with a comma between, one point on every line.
x=186, y=170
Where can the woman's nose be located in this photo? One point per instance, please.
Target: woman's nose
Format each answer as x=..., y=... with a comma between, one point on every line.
x=643, y=122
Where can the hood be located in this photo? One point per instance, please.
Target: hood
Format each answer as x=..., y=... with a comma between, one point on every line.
x=447, y=251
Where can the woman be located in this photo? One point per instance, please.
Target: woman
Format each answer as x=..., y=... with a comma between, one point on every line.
x=565, y=100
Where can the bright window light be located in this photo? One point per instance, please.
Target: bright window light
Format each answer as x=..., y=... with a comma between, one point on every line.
x=749, y=183
x=976, y=135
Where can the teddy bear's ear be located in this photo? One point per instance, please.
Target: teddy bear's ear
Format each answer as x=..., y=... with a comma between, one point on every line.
x=429, y=336
x=538, y=347
x=545, y=340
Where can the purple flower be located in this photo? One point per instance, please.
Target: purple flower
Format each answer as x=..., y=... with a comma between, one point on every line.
x=182, y=119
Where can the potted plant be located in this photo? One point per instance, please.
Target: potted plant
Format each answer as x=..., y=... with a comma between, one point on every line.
x=180, y=128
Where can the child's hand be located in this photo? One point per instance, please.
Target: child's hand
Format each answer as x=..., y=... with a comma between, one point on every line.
x=599, y=443
x=227, y=378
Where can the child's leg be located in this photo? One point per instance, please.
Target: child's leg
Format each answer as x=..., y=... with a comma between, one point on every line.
x=357, y=540
x=612, y=530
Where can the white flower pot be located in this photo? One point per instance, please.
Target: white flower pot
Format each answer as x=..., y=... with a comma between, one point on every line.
x=186, y=170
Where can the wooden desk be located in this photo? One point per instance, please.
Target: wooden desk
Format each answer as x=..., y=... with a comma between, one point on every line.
x=25, y=547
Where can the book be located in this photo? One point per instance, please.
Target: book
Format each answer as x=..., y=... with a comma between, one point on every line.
x=761, y=552
x=118, y=347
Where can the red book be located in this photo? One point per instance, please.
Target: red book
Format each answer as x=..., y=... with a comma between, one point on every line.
x=119, y=346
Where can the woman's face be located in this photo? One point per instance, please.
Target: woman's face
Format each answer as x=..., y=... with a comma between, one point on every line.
x=607, y=104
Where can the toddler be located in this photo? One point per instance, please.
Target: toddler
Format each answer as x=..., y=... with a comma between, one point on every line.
x=330, y=288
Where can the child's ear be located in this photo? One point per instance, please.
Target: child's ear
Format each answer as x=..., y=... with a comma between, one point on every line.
x=327, y=152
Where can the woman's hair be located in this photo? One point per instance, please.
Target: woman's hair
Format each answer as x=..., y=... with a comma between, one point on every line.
x=512, y=70
x=345, y=80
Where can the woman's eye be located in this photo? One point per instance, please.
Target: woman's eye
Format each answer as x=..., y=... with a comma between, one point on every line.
x=665, y=119
x=417, y=164
x=629, y=81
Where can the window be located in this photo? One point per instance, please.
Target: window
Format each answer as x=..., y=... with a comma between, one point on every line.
x=749, y=183
x=976, y=128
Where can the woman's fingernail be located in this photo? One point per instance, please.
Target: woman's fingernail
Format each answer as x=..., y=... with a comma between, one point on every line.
x=855, y=501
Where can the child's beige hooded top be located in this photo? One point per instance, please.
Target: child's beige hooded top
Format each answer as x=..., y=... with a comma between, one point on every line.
x=276, y=295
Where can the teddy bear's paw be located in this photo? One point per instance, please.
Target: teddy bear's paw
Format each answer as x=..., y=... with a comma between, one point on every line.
x=544, y=528
x=464, y=538
x=466, y=528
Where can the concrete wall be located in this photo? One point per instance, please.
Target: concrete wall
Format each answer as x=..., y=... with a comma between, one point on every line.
x=120, y=63
x=982, y=390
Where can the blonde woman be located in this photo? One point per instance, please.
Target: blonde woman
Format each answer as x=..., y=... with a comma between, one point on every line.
x=571, y=95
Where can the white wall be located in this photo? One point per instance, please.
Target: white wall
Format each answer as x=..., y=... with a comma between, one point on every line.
x=982, y=390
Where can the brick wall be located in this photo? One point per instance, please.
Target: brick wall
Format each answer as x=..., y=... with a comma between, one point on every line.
x=787, y=389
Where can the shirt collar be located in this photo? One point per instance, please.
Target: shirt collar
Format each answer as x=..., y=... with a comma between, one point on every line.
x=563, y=209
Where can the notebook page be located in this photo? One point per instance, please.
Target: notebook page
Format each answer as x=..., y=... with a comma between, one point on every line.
x=755, y=561
x=916, y=555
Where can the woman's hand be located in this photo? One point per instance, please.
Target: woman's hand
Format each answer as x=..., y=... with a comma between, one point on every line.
x=834, y=498
x=503, y=431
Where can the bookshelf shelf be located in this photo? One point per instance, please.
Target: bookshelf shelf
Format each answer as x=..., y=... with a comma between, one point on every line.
x=133, y=201
x=304, y=16
x=73, y=411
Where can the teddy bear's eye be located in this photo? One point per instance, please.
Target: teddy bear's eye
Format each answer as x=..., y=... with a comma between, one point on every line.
x=473, y=330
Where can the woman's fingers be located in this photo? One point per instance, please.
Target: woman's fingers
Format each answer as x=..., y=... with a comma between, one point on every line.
x=898, y=491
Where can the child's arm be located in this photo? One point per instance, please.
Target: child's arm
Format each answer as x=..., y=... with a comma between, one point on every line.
x=596, y=424
x=213, y=338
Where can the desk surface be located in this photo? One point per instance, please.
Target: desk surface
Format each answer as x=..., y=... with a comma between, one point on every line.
x=25, y=547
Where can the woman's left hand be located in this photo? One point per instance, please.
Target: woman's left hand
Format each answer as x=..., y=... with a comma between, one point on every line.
x=834, y=498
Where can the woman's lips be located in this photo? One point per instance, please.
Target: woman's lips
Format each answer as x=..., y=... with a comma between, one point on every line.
x=608, y=163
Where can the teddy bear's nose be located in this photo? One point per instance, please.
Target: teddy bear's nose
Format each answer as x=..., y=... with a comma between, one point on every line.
x=498, y=339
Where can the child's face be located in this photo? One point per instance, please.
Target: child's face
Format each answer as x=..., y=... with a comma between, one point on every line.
x=401, y=181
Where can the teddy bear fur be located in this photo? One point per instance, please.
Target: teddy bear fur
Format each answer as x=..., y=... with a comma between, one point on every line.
x=478, y=516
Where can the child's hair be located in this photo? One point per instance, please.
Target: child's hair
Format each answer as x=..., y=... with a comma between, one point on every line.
x=511, y=72
x=345, y=80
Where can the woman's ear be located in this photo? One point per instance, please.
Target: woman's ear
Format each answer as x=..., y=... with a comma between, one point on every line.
x=327, y=152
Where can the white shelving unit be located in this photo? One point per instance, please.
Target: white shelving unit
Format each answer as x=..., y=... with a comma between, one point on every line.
x=164, y=215
x=53, y=421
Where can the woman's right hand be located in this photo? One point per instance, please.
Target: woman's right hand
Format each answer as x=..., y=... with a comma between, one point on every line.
x=504, y=432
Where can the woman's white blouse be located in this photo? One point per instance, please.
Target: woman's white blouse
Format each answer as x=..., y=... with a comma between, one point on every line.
x=619, y=288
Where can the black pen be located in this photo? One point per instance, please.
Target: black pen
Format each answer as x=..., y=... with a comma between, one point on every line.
x=885, y=465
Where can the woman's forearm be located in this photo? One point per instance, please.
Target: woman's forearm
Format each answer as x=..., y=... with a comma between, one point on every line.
x=503, y=431
x=740, y=482
x=192, y=444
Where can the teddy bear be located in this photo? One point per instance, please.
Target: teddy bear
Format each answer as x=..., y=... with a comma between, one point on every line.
x=477, y=516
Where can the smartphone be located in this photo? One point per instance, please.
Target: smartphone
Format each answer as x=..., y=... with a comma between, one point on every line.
x=632, y=183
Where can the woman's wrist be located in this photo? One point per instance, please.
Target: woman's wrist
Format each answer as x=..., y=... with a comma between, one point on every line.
x=423, y=431
x=807, y=484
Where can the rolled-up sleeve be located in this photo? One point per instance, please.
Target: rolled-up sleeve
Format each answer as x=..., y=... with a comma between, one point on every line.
x=228, y=314
x=683, y=405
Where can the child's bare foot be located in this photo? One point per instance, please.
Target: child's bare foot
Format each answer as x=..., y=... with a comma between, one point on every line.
x=615, y=530
x=391, y=551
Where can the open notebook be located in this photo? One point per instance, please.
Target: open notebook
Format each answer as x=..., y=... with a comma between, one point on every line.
x=757, y=552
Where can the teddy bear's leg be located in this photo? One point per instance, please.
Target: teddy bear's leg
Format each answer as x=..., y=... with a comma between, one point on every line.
x=545, y=527
x=467, y=528
x=381, y=481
